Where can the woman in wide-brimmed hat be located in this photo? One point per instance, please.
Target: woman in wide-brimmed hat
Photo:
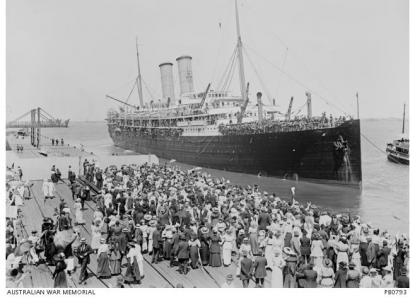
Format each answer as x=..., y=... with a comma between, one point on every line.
x=342, y=251
x=215, y=249
x=277, y=267
x=227, y=247
x=204, y=248
x=327, y=275
x=115, y=258
x=103, y=267
x=341, y=275
x=353, y=276
x=194, y=244
x=132, y=274
x=317, y=250
x=289, y=271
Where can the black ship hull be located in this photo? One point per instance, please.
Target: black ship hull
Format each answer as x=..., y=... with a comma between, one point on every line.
x=311, y=155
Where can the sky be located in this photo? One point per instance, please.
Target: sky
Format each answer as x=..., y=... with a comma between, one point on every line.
x=66, y=55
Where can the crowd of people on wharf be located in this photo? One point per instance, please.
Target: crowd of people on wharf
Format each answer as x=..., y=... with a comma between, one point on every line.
x=191, y=220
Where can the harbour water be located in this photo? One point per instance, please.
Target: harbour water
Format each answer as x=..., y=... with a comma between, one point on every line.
x=384, y=200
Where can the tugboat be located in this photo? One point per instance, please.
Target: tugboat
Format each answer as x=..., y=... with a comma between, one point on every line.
x=398, y=150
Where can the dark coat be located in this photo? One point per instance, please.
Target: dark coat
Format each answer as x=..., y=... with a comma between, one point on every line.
x=403, y=282
x=260, y=266
x=156, y=237
x=183, y=250
x=246, y=268
x=340, y=278
x=264, y=220
x=309, y=279
x=83, y=252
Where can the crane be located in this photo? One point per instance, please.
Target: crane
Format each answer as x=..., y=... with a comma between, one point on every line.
x=204, y=96
x=289, y=109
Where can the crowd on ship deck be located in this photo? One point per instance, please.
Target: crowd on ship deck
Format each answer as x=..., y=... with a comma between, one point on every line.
x=189, y=220
x=270, y=125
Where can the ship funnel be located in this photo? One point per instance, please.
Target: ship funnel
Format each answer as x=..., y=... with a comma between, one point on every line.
x=260, y=109
x=167, y=83
x=186, y=80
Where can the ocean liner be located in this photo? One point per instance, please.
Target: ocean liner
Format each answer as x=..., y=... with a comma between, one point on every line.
x=220, y=130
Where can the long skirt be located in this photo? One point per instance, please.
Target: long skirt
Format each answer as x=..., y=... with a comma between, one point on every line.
x=144, y=244
x=150, y=243
x=253, y=239
x=141, y=267
x=269, y=256
x=115, y=264
x=204, y=253
x=167, y=249
x=193, y=255
x=79, y=217
x=60, y=281
x=215, y=259
x=290, y=281
x=132, y=273
x=103, y=268
x=227, y=254
x=277, y=278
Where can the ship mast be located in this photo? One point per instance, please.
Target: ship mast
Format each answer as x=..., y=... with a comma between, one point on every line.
x=404, y=118
x=240, y=55
x=139, y=85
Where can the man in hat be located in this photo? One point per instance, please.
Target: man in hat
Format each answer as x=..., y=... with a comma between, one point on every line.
x=264, y=219
x=85, y=196
x=260, y=269
x=83, y=255
x=99, y=178
x=228, y=282
x=183, y=254
x=71, y=175
x=403, y=279
x=246, y=267
x=156, y=238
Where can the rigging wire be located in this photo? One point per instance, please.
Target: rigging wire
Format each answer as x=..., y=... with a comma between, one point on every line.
x=299, y=82
x=226, y=71
x=148, y=89
x=294, y=55
x=132, y=90
x=257, y=75
x=280, y=75
x=373, y=144
x=121, y=86
x=226, y=88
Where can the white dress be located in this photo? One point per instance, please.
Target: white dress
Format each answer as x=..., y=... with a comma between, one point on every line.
x=317, y=252
x=140, y=259
x=95, y=237
x=227, y=249
x=78, y=213
x=277, y=275
x=269, y=253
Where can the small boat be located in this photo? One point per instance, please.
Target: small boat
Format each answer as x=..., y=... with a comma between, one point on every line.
x=398, y=150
